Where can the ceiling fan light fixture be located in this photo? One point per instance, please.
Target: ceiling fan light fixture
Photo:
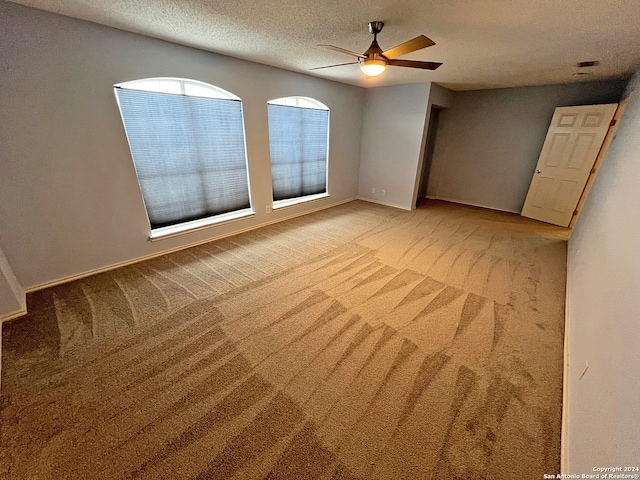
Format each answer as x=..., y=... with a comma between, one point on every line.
x=375, y=61
x=373, y=67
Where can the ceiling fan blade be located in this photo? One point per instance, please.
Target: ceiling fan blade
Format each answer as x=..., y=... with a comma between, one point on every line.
x=343, y=50
x=412, y=45
x=337, y=65
x=414, y=64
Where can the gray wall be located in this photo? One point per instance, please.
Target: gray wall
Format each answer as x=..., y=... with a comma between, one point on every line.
x=392, y=142
x=603, y=309
x=441, y=96
x=69, y=195
x=488, y=142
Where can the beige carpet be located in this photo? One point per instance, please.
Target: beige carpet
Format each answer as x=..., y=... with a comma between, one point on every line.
x=358, y=342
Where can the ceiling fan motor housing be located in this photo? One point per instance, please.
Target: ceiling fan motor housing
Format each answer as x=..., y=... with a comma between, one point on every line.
x=374, y=51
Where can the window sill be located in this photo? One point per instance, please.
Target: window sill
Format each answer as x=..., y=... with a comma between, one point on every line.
x=195, y=225
x=295, y=201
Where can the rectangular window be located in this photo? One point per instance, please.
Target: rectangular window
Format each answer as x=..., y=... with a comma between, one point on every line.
x=189, y=154
x=298, y=139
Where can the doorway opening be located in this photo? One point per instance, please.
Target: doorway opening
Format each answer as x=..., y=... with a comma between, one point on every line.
x=434, y=119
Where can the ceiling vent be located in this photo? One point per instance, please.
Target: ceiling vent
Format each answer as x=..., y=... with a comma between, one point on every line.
x=592, y=63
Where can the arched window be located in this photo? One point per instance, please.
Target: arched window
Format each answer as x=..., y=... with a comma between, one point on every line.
x=179, y=86
x=188, y=147
x=299, y=145
x=302, y=102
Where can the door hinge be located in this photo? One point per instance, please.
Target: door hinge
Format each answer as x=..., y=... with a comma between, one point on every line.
x=613, y=122
x=593, y=170
x=575, y=212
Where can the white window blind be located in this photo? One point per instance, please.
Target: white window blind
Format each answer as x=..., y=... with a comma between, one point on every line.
x=189, y=154
x=298, y=138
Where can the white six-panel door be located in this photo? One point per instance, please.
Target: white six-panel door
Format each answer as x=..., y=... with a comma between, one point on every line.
x=569, y=151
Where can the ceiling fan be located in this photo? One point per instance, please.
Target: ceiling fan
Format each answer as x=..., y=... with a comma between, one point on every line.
x=374, y=61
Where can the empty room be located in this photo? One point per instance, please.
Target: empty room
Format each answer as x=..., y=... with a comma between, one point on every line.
x=302, y=240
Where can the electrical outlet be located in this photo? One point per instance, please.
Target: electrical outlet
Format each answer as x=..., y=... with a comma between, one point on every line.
x=268, y=209
x=382, y=191
x=373, y=190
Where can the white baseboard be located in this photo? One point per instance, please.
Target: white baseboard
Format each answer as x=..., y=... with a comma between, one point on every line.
x=21, y=297
x=10, y=316
x=107, y=268
x=387, y=204
x=453, y=200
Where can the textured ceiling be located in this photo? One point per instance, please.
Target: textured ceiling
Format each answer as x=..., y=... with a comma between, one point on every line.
x=482, y=43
